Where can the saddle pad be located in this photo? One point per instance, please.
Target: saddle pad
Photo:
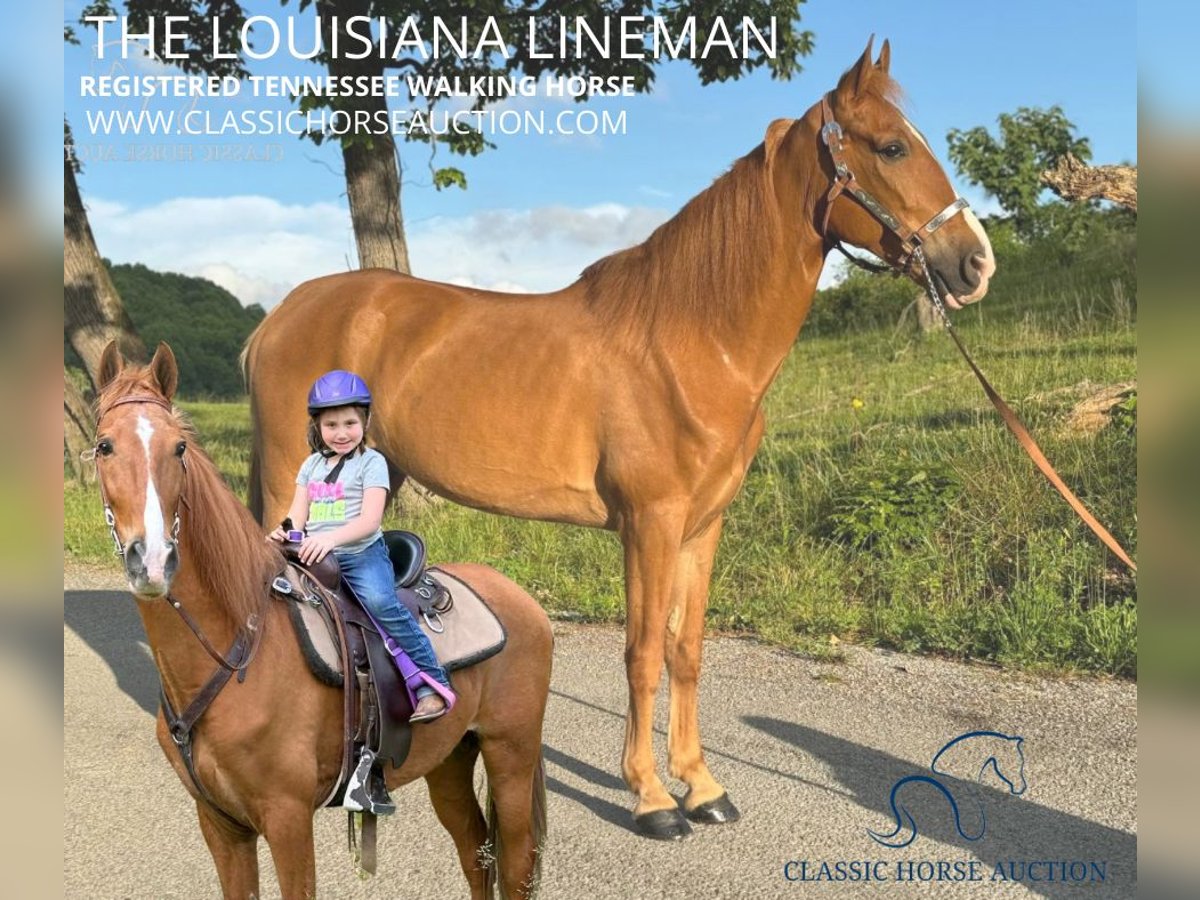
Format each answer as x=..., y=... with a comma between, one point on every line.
x=318, y=640
x=470, y=631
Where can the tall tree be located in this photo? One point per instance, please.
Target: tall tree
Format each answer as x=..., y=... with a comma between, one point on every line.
x=92, y=310
x=370, y=163
x=1009, y=167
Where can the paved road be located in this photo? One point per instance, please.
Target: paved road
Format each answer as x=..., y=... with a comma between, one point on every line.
x=810, y=752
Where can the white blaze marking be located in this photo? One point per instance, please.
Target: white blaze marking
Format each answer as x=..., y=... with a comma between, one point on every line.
x=920, y=137
x=155, y=537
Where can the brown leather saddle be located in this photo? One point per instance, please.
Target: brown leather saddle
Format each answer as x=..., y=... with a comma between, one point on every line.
x=333, y=628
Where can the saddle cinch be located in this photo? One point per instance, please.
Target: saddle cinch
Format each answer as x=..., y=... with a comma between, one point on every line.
x=332, y=627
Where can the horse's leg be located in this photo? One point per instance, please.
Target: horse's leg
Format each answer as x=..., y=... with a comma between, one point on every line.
x=706, y=800
x=288, y=828
x=512, y=762
x=452, y=792
x=235, y=852
x=651, y=540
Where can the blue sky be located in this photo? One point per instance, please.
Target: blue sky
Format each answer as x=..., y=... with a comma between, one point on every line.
x=539, y=208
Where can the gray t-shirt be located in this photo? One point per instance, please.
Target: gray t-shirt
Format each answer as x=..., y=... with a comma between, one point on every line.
x=334, y=504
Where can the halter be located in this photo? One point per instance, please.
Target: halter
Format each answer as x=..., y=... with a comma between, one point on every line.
x=845, y=182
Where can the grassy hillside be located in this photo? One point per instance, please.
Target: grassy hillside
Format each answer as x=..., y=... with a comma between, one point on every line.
x=205, y=325
x=887, y=504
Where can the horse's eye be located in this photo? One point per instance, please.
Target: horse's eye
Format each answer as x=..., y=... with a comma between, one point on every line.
x=104, y=447
x=180, y=447
x=894, y=150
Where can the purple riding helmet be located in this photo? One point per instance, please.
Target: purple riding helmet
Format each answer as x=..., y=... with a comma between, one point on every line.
x=338, y=388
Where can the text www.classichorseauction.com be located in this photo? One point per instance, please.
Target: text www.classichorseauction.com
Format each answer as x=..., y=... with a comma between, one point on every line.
x=337, y=123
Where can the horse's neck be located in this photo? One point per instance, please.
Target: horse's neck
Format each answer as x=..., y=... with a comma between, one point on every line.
x=771, y=307
x=773, y=298
x=183, y=664
x=775, y=310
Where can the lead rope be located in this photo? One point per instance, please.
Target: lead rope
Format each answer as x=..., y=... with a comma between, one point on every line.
x=1019, y=431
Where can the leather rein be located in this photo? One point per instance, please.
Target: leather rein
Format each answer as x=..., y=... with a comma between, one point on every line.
x=911, y=241
x=241, y=653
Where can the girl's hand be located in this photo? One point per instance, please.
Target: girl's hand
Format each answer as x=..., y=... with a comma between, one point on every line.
x=278, y=535
x=315, y=548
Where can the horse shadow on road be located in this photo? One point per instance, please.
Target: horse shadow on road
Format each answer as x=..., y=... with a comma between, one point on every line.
x=610, y=812
x=1018, y=829
x=108, y=622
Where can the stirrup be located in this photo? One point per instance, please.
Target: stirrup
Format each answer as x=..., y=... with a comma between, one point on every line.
x=365, y=790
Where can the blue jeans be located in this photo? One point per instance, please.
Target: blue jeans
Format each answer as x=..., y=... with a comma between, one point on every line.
x=370, y=574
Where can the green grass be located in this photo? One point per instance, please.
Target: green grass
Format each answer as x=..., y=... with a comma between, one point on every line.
x=977, y=557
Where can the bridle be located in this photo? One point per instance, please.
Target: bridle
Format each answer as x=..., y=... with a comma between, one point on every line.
x=911, y=241
x=845, y=182
x=238, y=653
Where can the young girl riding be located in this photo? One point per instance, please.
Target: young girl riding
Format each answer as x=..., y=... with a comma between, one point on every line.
x=341, y=492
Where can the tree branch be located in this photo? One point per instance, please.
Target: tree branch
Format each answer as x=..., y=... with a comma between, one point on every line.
x=1072, y=180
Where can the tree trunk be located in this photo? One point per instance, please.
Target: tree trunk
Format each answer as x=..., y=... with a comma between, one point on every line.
x=1072, y=180
x=92, y=310
x=372, y=173
x=78, y=426
x=373, y=188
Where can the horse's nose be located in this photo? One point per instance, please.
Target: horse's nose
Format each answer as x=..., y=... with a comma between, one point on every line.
x=973, y=269
x=171, y=563
x=982, y=266
x=135, y=560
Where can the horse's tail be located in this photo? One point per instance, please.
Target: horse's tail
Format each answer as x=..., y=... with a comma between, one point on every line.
x=539, y=821
x=537, y=827
x=492, y=843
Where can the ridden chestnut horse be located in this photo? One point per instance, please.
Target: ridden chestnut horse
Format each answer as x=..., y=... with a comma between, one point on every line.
x=268, y=750
x=631, y=399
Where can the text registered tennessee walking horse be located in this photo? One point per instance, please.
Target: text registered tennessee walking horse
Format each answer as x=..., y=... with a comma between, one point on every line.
x=268, y=750
x=630, y=400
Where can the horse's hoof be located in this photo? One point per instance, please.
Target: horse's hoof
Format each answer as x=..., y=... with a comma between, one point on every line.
x=663, y=825
x=719, y=811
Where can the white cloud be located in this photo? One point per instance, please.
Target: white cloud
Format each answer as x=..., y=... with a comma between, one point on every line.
x=259, y=248
x=539, y=249
x=255, y=247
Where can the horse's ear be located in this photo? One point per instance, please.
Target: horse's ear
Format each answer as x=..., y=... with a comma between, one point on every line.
x=854, y=81
x=164, y=370
x=776, y=132
x=111, y=364
x=885, y=58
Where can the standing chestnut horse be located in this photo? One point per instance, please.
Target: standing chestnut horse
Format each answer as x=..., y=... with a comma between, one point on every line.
x=268, y=749
x=630, y=400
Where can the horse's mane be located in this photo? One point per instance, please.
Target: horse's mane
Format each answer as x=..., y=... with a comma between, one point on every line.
x=689, y=273
x=219, y=536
